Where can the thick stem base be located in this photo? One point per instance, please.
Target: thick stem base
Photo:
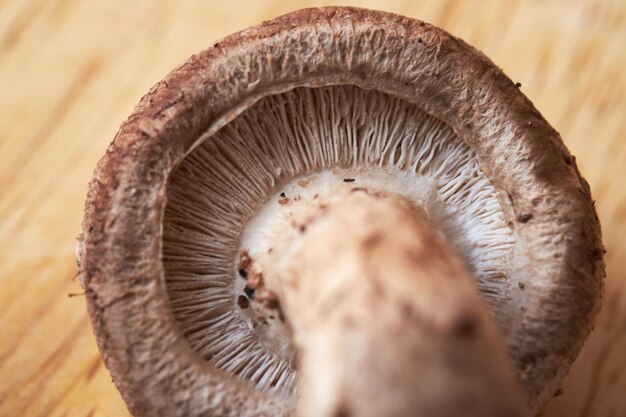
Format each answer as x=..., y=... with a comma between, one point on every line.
x=385, y=318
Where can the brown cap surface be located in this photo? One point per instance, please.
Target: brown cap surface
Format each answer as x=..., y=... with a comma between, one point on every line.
x=558, y=251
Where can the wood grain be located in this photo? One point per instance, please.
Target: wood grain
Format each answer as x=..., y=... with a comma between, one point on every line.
x=72, y=70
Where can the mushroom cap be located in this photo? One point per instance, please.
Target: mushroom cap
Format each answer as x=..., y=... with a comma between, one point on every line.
x=557, y=266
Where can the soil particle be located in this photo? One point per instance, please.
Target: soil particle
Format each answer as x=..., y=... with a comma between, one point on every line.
x=243, y=302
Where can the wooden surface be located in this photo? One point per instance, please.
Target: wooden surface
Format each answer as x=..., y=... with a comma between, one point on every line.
x=72, y=70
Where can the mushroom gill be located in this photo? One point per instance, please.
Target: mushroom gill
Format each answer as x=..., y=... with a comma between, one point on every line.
x=237, y=186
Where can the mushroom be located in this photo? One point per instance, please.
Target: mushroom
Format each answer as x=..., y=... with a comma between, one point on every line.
x=340, y=212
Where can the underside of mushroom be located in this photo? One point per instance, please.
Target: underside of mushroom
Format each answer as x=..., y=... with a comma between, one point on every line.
x=339, y=213
x=230, y=196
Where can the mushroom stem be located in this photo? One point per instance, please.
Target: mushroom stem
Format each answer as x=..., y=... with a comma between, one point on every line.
x=385, y=317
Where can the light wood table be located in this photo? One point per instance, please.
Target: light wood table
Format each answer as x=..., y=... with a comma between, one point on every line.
x=72, y=70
